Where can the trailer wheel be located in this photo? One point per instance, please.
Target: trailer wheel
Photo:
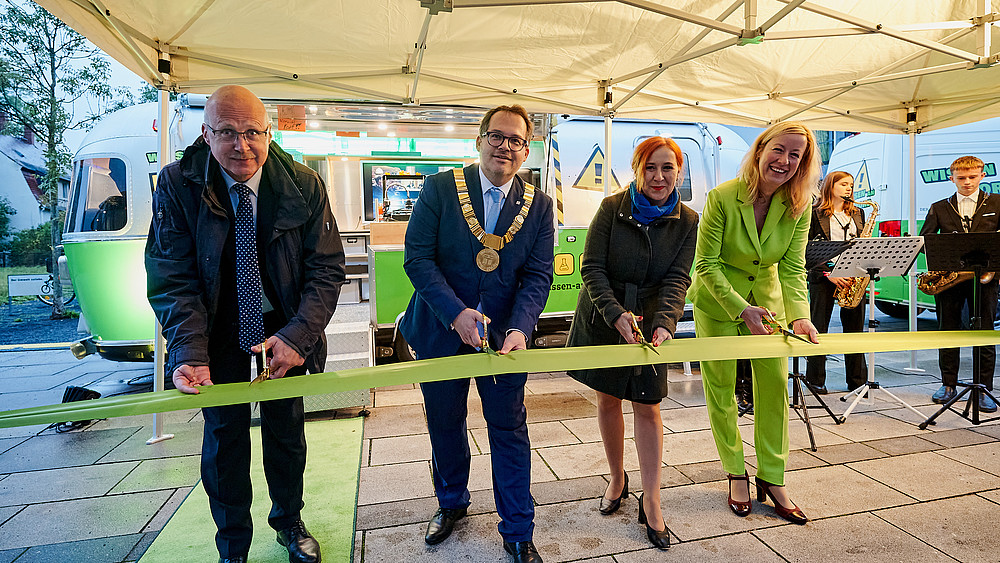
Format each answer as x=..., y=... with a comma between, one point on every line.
x=403, y=351
x=895, y=310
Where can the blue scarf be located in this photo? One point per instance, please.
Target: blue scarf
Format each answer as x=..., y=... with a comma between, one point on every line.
x=644, y=211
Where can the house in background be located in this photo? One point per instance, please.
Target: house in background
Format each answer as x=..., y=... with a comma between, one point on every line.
x=22, y=168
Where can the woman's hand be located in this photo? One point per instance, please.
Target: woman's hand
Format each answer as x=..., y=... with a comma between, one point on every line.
x=753, y=317
x=624, y=326
x=806, y=328
x=842, y=283
x=660, y=335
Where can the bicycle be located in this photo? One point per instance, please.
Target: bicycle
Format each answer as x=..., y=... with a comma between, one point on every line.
x=46, y=293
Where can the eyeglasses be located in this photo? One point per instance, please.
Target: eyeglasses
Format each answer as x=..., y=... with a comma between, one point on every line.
x=252, y=136
x=496, y=140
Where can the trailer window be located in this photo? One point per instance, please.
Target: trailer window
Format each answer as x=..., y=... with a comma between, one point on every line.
x=98, y=196
x=683, y=185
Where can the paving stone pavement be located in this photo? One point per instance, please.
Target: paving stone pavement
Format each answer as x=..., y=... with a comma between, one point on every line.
x=877, y=488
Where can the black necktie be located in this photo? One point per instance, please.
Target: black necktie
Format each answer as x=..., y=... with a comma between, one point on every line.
x=248, y=288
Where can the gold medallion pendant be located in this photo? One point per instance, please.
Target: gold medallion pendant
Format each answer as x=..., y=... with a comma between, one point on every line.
x=488, y=259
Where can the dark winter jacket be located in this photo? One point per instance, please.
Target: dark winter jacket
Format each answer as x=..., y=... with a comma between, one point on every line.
x=628, y=266
x=303, y=255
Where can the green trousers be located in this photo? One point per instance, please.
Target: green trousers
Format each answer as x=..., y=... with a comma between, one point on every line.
x=770, y=405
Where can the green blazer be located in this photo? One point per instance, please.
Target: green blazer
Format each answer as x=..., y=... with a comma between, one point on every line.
x=732, y=263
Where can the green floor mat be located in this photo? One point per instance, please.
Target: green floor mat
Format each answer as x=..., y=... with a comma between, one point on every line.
x=331, y=495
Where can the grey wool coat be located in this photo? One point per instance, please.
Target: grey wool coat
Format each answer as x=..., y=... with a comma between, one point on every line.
x=628, y=266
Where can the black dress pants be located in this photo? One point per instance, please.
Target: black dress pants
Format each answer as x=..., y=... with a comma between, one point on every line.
x=225, y=458
x=949, y=312
x=821, y=301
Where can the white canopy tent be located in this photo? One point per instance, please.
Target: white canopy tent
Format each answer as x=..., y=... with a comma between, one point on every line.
x=858, y=65
x=890, y=66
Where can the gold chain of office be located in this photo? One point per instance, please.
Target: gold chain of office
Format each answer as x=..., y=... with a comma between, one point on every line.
x=488, y=259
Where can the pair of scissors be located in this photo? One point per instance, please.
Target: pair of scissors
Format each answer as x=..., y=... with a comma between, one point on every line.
x=484, y=342
x=769, y=319
x=266, y=372
x=638, y=334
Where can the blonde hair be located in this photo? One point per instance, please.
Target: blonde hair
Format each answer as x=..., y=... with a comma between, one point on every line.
x=802, y=185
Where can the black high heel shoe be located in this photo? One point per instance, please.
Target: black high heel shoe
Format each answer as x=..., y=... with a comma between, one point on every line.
x=657, y=538
x=609, y=507
x=741, y=509
x=793, y=514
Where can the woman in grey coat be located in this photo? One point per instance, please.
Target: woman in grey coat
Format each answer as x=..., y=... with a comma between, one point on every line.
x=636, y=266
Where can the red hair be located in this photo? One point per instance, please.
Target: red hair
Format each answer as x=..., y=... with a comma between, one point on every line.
x=646, y=149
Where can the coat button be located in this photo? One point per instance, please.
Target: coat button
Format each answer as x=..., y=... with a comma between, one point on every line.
x=750, y=278
x=756, y=262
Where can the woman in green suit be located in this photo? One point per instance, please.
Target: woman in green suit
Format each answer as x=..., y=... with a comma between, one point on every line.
x=750, y=263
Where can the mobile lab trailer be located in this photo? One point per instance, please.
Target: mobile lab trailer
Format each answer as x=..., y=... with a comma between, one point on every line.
x=107, y=220
x=880, y=165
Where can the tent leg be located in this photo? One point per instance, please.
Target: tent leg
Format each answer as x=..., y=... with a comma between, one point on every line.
x=912, y=222
x=159, y=344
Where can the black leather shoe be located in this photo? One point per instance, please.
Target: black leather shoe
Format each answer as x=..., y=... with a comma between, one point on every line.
x=441, y=524
x=986, y=404
x=240, y=559
x=522, y=551
x=659, y=538
x=608, y=507
x=944, y=394
x=820, y=389
x=301, y=546
x=744, y=404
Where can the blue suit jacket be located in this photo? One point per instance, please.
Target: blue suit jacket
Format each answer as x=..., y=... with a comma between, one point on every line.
x=440, y=254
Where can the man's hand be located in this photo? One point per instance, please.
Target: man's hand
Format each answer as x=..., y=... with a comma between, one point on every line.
x=514, y=341
x=805, y=327
x=624, y=326
x=465, y=325
x=283, y=357
x=660, y=335
x=187, y=378
x=753, y=316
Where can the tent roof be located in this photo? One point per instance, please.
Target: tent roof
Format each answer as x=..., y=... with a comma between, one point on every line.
x=856, y=65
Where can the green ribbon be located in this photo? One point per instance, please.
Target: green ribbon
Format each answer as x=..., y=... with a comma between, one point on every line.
x=475, y=365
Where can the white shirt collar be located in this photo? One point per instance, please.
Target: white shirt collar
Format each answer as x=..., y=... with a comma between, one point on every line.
x=253, y=183
x=486, y=184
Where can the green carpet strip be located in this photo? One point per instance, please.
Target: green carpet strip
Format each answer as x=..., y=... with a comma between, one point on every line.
x=474, y=365
x=330, y=496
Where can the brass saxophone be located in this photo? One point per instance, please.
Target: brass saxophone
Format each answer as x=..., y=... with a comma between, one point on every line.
x=851, y=296
x=936, y=281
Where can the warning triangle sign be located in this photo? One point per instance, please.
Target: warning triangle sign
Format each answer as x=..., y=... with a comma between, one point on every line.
x=862, y=185
x=592, y=177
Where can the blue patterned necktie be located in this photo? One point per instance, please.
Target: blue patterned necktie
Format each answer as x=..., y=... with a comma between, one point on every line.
x=248, y=288
x=491, y=201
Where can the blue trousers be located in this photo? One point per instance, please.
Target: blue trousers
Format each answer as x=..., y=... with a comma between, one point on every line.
x=446, y=403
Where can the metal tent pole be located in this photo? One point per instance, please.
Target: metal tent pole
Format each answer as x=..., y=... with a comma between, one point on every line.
x=911, y=279
x=159, y=344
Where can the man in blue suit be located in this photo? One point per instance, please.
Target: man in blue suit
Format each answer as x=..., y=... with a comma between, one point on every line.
x=479, y=249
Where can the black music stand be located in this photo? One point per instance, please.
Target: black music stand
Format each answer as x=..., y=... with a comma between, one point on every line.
x=874, y=257
x=817, y=253
x=965, y=252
